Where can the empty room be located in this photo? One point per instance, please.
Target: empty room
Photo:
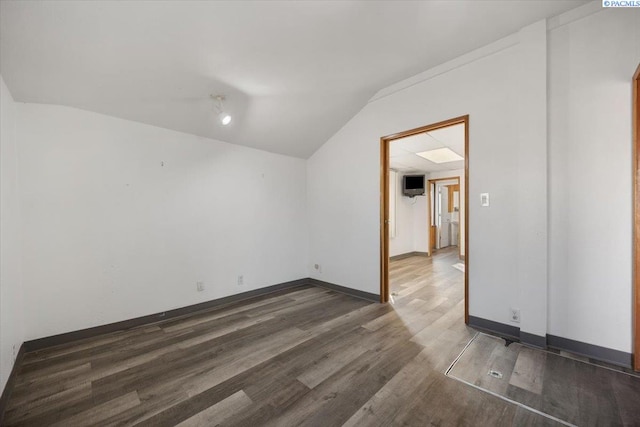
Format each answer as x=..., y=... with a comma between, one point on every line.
x=320, y=213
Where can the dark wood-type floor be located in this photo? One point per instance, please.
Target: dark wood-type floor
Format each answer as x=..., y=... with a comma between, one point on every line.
x=571, y=390
x=306, y=356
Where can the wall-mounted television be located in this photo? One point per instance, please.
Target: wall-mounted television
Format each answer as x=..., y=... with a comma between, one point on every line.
x=413, y=185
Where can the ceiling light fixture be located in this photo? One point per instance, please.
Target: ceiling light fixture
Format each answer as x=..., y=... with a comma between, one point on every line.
x=441, y=155
x=224, y=117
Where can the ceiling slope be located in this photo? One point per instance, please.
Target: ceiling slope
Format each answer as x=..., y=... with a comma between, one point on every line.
x=293, y=72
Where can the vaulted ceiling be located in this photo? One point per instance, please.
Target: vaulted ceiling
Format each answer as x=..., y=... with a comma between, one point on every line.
x=293, y=72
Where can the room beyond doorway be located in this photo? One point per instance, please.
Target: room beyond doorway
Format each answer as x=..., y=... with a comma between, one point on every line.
x=446, y=214
x=418, y=156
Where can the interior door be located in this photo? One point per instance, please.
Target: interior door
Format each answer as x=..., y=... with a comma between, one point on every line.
x=433, y=229
x=445, y=218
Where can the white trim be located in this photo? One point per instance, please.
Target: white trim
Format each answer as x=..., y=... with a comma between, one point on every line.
x=458, y=62
x=574, y=15
x=487, y=50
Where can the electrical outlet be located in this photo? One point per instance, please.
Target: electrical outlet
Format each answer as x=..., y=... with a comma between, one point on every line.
x=240, y=280
x=317, y=267
x=515, y=315
x=200, y=286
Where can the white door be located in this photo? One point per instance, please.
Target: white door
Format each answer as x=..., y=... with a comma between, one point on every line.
x=445, y=217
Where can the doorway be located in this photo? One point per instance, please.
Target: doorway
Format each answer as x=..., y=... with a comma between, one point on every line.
x=385, y=143
x=445, y=214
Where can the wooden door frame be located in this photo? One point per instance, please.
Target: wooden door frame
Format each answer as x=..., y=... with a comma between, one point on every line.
x=384, y=204
x=636, y=218
x=433, y=181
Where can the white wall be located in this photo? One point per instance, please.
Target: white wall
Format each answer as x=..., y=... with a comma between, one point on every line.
x=583, y=254
x=405, y=237
x=419, y=222
x=531, y=157
x=344, y=224
x=121, y=219
x=591, y=62
x=412, y=230
x=11, y=308
x=393, y=184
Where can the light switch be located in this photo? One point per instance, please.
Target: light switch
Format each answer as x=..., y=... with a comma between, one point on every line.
x=484, y=199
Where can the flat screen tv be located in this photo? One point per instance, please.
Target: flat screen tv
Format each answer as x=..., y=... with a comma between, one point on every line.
x=413, y=185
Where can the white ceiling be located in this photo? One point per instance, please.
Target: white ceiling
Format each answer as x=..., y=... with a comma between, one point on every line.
x=293, y=72
x=403, y=157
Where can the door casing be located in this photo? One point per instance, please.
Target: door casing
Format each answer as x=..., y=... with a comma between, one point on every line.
x=636, y=219
x=385, y=141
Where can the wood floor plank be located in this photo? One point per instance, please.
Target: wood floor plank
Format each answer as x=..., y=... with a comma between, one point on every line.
x=502, y=361
x=34, y=390
x=490, y=357
x=441, y=324
x=313, y=356
x=193, y=364
x=563, y=388
x=382, y=408
x=100, y=412
x=236, y=326
x=192, y=321
x=595, y=391
x=560, y=392
x=49, y=353
x=330, y=364
x=38, y=406
x=262, y=383
x=215, y=376
x=151, y=403
x=327, y=403
x=528, y=370
x=625, y=391
x=527, y=418
x=217, y=413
